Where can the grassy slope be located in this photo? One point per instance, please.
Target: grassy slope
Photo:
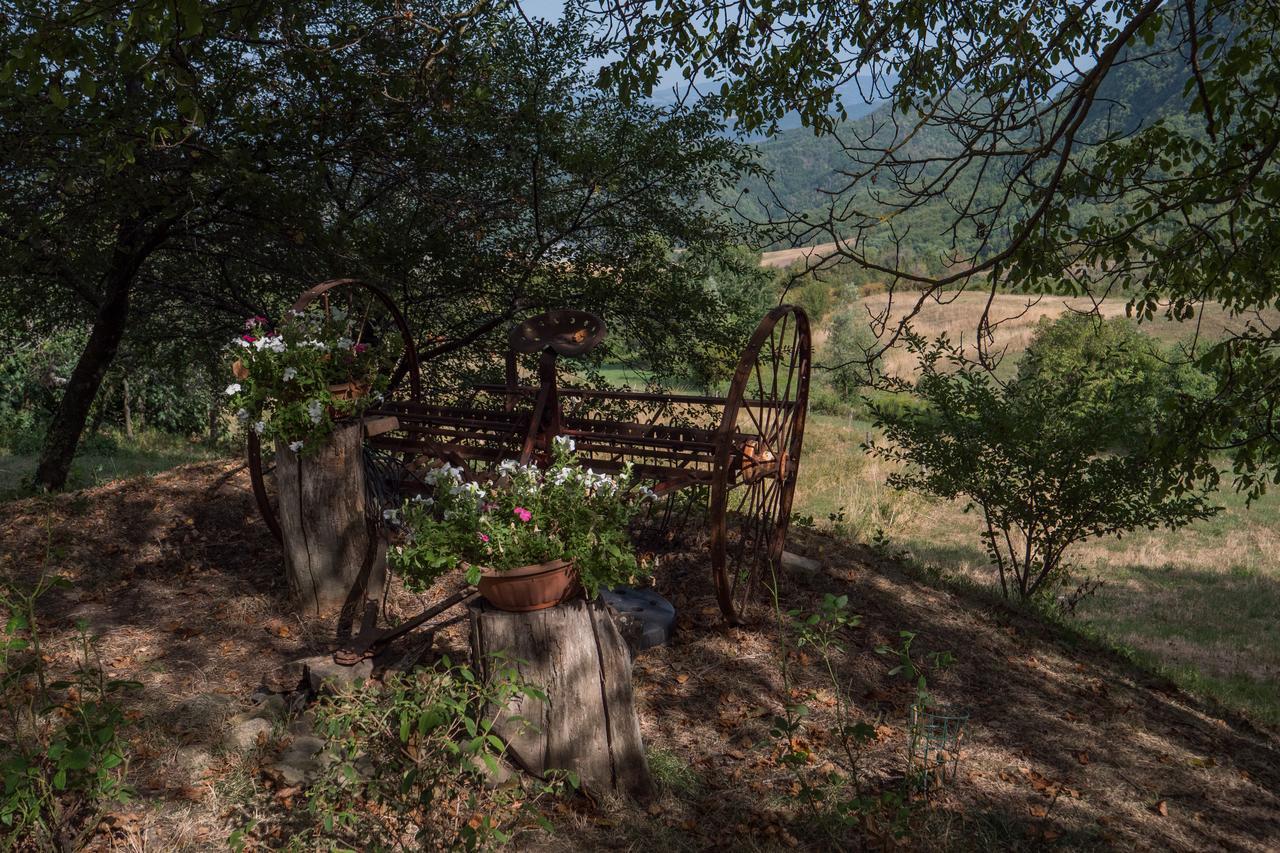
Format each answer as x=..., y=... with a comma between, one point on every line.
x=111, y=457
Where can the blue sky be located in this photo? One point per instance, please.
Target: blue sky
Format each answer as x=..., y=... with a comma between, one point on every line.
x=550, y=9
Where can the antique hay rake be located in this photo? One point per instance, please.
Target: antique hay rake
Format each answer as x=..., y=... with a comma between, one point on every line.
x=743, y=447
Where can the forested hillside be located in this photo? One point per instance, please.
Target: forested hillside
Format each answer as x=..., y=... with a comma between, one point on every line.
x=808, y=176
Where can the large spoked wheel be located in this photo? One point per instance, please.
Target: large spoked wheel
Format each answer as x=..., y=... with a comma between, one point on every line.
x=757, y=459
x=375, y=321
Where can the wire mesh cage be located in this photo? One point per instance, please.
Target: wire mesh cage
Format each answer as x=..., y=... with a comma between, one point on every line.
x=935, y=737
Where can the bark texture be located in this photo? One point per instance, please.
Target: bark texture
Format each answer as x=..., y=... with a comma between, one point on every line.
x=334, y=556
x=588, y=724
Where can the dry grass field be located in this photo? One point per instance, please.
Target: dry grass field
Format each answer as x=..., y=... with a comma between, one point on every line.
x=1014, y=318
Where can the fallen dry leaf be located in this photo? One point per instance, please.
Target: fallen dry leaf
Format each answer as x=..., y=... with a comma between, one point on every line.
x=1162, y=808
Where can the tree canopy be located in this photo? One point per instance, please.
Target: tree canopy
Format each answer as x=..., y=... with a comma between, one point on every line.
x=171, y=169
x=1021, y=98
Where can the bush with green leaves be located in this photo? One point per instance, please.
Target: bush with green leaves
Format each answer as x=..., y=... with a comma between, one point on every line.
x=527, y=516
x=62, y=761
x=414, y=759
x=1069, y=450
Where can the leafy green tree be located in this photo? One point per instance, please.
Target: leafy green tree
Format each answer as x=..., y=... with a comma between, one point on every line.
x=173, y=168
x=1068, y=451
x=1126, y=148
x=850, y=352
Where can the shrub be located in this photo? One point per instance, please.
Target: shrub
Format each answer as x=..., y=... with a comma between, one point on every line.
x=848, y=353
x=1070, y=450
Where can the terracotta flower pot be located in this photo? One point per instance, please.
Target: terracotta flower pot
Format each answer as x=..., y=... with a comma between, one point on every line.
x=530, y=587
x=346, y=391
x=349, y=390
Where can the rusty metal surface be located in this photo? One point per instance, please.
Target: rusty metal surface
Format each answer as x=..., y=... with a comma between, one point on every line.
x=565, y=331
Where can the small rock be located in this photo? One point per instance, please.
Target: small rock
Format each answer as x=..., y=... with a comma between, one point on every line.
x=286, y=678
x=243, y=735
x=797, y=563
x=326, y=676
x=193, y=761
x=204, y=711
x=302, y=761
x=493, y=778
x=304, y=724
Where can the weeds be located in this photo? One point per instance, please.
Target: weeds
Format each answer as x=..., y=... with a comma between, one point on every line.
x=62, y=760
x=414, y=763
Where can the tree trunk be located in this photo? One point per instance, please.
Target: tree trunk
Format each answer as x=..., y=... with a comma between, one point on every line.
x=63, y=435
x=334, y=556
x=60, y=441
x=575, y=653
x=128, y=417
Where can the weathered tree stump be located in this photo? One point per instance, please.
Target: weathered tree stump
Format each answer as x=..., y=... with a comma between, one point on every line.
x=334, y=556
x=588, y=724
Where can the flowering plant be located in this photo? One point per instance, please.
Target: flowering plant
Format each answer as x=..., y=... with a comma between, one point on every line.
x=286, y=377
x=525, y=517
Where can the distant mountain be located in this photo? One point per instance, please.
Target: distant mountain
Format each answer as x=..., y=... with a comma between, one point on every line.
x=808, y=171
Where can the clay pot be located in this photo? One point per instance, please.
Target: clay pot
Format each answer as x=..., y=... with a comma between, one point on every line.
x=349, y=390
x=346, y=391
x=530, y=587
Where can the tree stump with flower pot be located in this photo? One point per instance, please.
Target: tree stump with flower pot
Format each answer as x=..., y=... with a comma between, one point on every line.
x=575, y=653
x=334, y=554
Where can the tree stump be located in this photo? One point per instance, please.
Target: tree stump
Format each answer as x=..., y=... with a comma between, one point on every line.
x=334, y=556
x=575, y=653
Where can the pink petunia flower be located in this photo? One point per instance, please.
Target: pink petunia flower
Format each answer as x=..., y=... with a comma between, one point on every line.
x=484, y=537
x=359, y=348
x=523, y=514
x=248, y=338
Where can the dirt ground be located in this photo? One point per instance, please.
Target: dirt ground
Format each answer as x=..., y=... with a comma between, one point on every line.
x=1066, y=744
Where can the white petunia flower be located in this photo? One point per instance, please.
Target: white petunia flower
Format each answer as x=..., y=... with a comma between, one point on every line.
x=259, y=427
x=295, y=446
x=241, y=342
x=242, y=415
x=566, y=442
x=276, y=344
x=390, y=514
x=345, y=343
x=315, y=411
x=233, y=388
x=289, y=374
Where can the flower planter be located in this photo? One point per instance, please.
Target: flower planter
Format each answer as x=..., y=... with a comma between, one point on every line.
x=530, y=587
x=346, y=391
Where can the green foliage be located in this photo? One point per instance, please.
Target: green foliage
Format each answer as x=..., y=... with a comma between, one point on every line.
x=997, y=159
x=528, y=517
x=286, y=392
x=162, y=182
x=413, y=758
x=61, y=757
x=1068, y=451
x=851, y=353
